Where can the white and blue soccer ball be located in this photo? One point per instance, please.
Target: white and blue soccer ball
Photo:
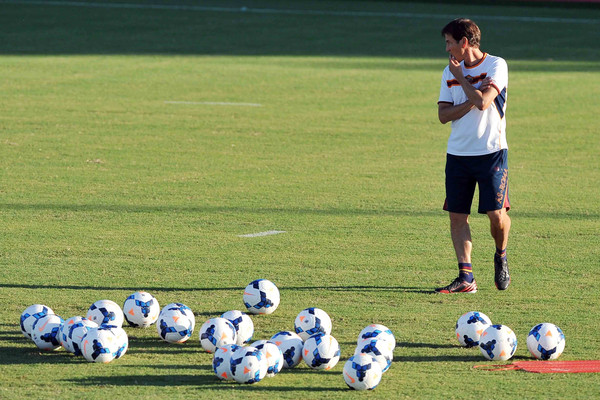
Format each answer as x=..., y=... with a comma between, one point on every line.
x=106, y=312
x=102, y=344
x=498, y=343
x=377, y=331
x=141, y=309
x=46, y=332
x=76, y=332
x=312, y=321
x=244, y=327
x=546, y=341
x=248, y=365
x=222, y=361
x=30, y=315
x=121, y=340
x=380, y=349
x=217, y=332
x=64, y=332
x=362, y=372
x=321, y=351
x=261, y=297
x=273, y=354
x=175, y=323
x=470, y=326
x=291, y=346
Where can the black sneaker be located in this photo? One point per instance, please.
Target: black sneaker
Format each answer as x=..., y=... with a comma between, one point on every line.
x=501, y=275
x=458, y=286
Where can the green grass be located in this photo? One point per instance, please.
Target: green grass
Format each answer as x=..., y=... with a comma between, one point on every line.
x=105, y=189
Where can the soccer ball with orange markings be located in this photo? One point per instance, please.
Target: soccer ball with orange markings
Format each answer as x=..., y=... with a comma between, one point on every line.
x=362, y=372
x=321, y=352
x=381, y=350
x=76, y=332
x=101, y=345
x=141, y=309
x=248, y=365
x=377, y=331
x=30, y=315
x=261, y=297
x=46, y=332
x=470, y=326
x=106, y=312
x=498, y=343
x=221, y=361
x=273, y=354
x=291, y=346
x=175, y=323
x=217, y=332
x=121, y=340
x=63, y=333
x=244, y=327
x=312, y=321
x=546, y=341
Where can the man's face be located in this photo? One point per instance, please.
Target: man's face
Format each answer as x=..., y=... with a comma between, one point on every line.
x=453, y=47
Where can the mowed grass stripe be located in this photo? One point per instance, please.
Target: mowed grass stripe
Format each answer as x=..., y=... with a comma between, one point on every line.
x=303, y=12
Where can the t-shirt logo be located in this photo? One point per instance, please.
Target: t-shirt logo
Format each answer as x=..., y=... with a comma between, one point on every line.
x=473, y=80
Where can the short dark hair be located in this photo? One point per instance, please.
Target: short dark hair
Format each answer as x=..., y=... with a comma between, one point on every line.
x=463, y=28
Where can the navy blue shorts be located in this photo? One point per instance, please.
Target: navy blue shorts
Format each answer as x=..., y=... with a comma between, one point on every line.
x=489, y=171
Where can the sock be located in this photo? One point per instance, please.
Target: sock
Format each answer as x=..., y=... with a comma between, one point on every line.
x=501, y=253
x=465, y=272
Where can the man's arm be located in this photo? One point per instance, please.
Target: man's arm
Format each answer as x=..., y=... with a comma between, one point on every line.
x=449, y=112
x=479, y=98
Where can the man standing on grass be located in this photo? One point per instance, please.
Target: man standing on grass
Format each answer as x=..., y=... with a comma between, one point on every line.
x=473, y=98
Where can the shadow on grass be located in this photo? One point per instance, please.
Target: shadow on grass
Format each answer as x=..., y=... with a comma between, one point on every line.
x=426, y=345
x=359, y=288
x=440, y=358
x=206, y=382
x=140, y=208
x=30, y=354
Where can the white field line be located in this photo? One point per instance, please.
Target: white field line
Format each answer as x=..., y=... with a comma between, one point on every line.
x=267, y=233
x=215, y=103
x=175, y=7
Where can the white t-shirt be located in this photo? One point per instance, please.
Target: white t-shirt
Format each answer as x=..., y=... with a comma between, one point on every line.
x=478, y=132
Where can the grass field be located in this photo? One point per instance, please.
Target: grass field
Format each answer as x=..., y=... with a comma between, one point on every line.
x=119, y=173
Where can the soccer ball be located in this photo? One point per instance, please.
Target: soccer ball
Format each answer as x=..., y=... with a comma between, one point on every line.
x=100, y=345
x=121, y=338
x=470, y=326
x=498, y=343
x=221, y=361
x=273, y=354
x=248, y=365
x=380, y=349
x=321, y=352
x=141, y=309
x=76, y=332
x=362, y=372
x=261, y=297
x=244, y=327
x=377, y=331
x=63, y=333
x=291, y=346
x=45, y=332
x=312, y=321
x=175, y=323
x=216, y=332
x=31, y=315
x=546, y=341
x=106, y=312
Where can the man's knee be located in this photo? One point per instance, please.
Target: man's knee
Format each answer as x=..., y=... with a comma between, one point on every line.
x=498, y=218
